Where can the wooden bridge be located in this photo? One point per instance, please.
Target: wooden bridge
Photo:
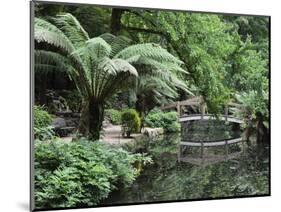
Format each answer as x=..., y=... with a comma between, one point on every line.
x=183, y=117
x=205, y=159
x=199, y=101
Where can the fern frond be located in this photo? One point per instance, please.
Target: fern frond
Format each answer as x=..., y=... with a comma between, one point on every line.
x=168, y=66
x=51, y=58
x=124, y=66
x=95, y=48
x=49, y=33
x=71, y=27
x=148, y=50
x=117, y=43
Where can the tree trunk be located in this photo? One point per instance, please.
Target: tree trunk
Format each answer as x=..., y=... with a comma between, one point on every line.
x=96, y=115
x=83, y=127
x=115, y=25
x=262, y=132
x=91, y=119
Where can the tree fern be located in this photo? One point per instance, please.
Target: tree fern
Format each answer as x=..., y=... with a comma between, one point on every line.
x=70, y=26
x=105, y=65
x=117, y=43
x=49, y=33
x=148, y=50
x=51, y=59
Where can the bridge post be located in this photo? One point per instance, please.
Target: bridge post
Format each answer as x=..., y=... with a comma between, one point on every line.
x=226, y=112
x=178, y=108
x=202, y=109
x=226, y=148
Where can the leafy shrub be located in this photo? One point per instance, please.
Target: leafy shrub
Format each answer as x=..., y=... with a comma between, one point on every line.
x=44, y=133
x=113, y=115
x=130, y=121
x=42, y=120
x=41, y=117
x=167, y=120
x=80, y=173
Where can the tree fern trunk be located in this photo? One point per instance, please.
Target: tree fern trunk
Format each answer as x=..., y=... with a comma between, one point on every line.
x=262, y=132
x=96, y=115
x=83, y=127
x=91, y=119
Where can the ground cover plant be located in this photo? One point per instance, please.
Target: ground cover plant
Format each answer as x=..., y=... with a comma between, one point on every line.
x=81, y=173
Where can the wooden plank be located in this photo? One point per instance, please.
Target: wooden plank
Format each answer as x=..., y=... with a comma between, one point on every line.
x=178, y=108
x=193, y=101
x=190, y=102
x=226, y=112
x=173, y=105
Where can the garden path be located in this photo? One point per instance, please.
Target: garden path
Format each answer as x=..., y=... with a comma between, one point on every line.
x=112, y=135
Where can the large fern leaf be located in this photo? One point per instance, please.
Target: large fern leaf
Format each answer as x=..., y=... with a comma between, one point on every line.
x=148, y=50
x=71, y=27
x=49, y=33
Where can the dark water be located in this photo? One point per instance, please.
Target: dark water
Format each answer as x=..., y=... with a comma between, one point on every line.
x=209, y=130
x=166, y=179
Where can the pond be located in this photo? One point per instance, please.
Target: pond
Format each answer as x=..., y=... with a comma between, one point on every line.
x=168, y=180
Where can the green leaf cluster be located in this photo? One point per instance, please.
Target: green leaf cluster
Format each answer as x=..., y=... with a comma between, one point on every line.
x=81, y=173
x=167, y=120
x=41, y=125
x=113, y=115
x=131, y=121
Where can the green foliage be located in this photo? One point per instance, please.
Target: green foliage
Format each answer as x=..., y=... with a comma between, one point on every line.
x=255, y=108
x=44, y=133
x=207, y=42
x=217, y=52
x=113, y=115
x=42, y=120
x=152, y=91
x=98, y=66
x=167, y=120
x=41, y=117
x=81, y=173
x=130, y=121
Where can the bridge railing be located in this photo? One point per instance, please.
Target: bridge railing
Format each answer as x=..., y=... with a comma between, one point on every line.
x=199, y=101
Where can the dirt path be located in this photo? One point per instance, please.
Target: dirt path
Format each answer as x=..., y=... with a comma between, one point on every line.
x=112, y=135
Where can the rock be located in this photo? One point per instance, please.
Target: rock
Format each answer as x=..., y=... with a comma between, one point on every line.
x=65, y=114
x=76, y=115
x=58, y=122
x=64, y=131
x=153, y=132
x=72, y=122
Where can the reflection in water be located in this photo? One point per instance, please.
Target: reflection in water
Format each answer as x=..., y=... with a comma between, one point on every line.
x=168, y=179
x=207, y=142
x=209, y=130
